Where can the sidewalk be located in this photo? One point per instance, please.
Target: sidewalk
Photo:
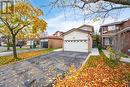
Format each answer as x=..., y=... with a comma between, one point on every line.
x=58, y=50
x=106, y=52
x=94, y=52
x=122, y=59
x=18, y=51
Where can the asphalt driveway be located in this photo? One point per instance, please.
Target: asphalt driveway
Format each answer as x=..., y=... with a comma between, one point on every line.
x=39, y=71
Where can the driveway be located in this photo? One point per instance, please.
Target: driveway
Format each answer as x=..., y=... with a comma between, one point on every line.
x=39, y=71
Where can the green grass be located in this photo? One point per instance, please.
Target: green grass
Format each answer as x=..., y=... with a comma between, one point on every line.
x=110, y=62
x=125, y=55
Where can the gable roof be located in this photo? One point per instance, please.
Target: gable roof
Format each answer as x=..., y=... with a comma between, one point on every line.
x=79, y=29
x=87, y=26
x=114, y=23
x=52, y=37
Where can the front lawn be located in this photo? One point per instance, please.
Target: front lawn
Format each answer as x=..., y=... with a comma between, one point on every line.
x=98, y=71
x=9, y=59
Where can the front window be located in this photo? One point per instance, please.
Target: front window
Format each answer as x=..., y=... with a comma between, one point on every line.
x=110, y=40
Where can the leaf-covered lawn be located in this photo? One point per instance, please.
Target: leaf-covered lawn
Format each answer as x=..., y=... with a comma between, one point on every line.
x=9, y=59
x=97, y=72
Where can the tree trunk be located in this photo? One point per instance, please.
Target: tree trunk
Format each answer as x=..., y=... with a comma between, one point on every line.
x=8, y=44
x=14, y=46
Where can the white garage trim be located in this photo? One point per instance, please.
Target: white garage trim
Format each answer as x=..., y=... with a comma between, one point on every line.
x=77, y=40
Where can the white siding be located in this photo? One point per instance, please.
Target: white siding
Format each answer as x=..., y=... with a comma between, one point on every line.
x=76, y=41
x=76, y=35
x=87, y=28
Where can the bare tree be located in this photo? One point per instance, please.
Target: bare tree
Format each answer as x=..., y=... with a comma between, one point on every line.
x=98, y=8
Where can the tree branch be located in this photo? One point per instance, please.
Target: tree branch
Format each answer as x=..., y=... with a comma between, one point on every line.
x=20, y=29
x=6, y=23
x=123, y=2
x=16, y=26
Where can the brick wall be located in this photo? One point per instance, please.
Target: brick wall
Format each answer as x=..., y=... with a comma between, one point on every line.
x=55, y=43
x=126, y=43
x=125, y=24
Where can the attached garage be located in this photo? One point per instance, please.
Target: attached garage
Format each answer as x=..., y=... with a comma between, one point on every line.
x=76, y=45
x=78, y=39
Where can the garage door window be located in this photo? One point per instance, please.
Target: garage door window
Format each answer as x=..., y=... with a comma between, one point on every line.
x=85, y=40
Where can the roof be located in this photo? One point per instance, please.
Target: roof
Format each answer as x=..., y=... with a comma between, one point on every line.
x=87, y=26
x=52, y=37
x=79, y=28
x=59, y=32
x=115, y=23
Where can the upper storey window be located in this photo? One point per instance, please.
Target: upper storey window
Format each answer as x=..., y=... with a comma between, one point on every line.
x=110, y=28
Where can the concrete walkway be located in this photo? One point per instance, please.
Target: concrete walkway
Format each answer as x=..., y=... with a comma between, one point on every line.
x=39, y=71
x=106, y=52
x=122, y=59
x=94, y=52
x=18, y=51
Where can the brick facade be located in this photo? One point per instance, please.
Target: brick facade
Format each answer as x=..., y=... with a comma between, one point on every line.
x=120, y=36
x=55, y=43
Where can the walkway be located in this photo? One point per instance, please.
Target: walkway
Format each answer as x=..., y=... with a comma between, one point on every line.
x=122, y=59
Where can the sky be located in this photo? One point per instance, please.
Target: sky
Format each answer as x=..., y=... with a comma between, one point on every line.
x=65, y=19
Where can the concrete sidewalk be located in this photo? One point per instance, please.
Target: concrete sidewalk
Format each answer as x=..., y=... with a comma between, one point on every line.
x=106, y=52
x=122, y=58
x=18, y=51
x=58, y=50
x=94, y=52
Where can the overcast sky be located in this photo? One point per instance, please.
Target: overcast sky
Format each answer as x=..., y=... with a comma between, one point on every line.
x=66, y=19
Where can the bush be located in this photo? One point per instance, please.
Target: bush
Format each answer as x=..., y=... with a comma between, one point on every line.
x=99, y=47
x=115, y=55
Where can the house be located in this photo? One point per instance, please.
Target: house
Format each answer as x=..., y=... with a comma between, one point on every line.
x=116, y=35
x=78, y=39
x=54, y=41
x=58, y=33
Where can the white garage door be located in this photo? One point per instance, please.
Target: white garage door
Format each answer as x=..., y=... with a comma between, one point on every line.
x=76, y=45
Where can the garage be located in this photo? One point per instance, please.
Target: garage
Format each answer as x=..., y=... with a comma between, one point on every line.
x=76, y=45
x=78, y=39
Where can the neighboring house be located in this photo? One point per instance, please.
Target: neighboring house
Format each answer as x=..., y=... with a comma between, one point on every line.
x=51, y=42
x=3, y=41
x=58, y=33
x=54, y=41
x=78, y=39
x=116, y=35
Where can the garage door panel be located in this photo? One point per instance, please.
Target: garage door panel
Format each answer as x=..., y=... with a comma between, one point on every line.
x=77, y=45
